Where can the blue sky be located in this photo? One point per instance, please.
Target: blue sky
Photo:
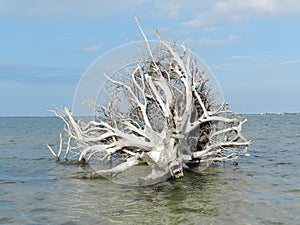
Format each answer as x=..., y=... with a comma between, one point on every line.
x=251, y=45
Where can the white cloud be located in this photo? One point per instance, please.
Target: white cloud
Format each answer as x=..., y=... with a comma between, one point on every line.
x=234, y=11
x=290, y=62
x=27, y=73
x=171, y=8
x=242, y=57
x=232, y=39
x=253, y=5
x=210, y=29
x=92, y=48
x=51, y=8
x=192, y=13
x=223, y=67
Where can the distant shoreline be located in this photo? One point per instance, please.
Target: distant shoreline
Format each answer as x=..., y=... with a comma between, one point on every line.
x=257, y=114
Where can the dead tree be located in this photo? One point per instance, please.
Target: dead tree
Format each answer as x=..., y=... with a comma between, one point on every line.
x=161, y=113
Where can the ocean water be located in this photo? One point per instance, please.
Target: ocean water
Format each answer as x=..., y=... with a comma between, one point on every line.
x=262, y=189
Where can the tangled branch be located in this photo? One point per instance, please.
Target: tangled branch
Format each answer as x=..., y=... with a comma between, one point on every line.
x=160, y=113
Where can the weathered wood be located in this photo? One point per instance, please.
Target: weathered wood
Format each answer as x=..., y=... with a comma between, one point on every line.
x=168, y=102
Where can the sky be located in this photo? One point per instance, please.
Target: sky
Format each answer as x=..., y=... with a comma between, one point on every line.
x=252, y=46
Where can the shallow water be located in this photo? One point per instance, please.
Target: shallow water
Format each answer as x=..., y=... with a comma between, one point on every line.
x=262, y=189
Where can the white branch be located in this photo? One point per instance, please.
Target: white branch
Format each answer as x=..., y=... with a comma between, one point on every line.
x=200, y=154
x=169, y=104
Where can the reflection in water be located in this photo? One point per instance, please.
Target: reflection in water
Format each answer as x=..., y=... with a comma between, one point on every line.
x=190, y=199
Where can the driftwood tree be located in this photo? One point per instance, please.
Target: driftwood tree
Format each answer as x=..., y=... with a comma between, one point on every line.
x=161, y=115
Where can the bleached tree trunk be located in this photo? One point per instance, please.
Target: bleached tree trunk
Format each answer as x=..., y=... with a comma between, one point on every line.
x=162, y=115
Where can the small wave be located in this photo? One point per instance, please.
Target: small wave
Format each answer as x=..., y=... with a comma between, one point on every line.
x=8, y=219
x=294, y=191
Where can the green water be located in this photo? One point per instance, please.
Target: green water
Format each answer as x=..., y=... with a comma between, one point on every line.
x=262, y=189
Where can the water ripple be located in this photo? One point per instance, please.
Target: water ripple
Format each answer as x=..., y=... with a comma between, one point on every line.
x=262, y=189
